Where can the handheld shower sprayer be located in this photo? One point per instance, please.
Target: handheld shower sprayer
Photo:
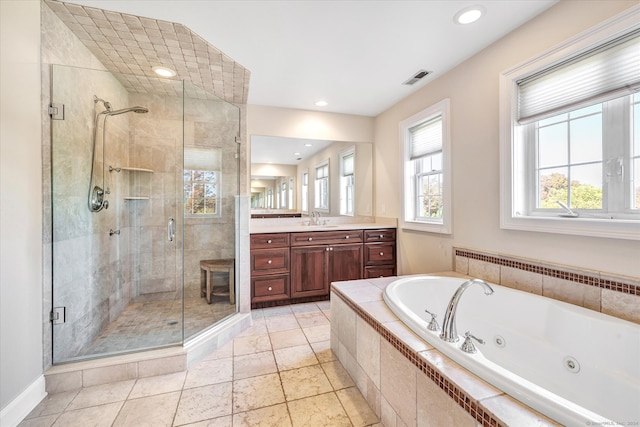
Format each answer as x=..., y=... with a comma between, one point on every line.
x=97, y=193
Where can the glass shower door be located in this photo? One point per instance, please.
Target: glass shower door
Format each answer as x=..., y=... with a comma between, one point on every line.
x=210, y=182
x=116, y=167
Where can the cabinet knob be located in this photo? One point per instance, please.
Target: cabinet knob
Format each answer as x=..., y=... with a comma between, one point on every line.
x=269, y=288
x=381, y=253
x=269, y=241
x=346, y=237
x=310, y=238
x=381, y=236
x=326, y=249
x=330, y=249
x=269, y=262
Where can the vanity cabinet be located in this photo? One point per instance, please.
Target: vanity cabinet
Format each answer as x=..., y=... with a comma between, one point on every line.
x=269, y=267
x=319, y=258
x=298, y=267
x=379, y=253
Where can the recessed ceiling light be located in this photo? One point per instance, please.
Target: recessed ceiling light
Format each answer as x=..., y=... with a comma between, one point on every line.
x=308, y=145
x=321, y=103
x=164, y=71
x=468, y=14
x=296, y=154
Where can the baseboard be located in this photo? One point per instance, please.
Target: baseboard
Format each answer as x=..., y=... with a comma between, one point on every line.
x=12, y=414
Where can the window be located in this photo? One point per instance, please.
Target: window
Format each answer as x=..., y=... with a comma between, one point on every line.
x=569, y=138
x=290, y=203
x=347, y=182
x=305, y=191
x=426, y=170
x=321, y=189
x=283, y=194
x=201, y=177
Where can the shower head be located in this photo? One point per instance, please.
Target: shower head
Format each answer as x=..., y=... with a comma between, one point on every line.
x=135, y=109
x=107, y=104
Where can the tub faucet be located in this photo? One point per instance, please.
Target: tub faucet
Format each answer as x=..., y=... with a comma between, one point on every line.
x=449, y=331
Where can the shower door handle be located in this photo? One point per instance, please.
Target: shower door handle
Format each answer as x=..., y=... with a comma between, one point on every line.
x=171, y=229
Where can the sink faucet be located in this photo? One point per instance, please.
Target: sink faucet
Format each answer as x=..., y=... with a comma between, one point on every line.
x=449, y=331
x=315, y=218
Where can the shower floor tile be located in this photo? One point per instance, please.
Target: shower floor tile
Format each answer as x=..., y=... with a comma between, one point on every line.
x=157, y=323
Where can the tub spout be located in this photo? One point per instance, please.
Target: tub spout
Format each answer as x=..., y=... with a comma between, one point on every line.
x=449, y=330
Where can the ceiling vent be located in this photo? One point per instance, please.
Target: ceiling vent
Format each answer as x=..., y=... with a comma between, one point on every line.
x=416, y=77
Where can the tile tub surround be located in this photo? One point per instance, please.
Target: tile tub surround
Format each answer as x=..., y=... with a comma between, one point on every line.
x=611, y=294
x=279, y=372
x=405, y=380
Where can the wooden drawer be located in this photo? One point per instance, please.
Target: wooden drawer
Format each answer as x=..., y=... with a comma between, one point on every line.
x=268, y=241
x=380, y=235
x=326, y=237
x=269, y=261
x=379, y=271
x=270, y=288
x=379, y=253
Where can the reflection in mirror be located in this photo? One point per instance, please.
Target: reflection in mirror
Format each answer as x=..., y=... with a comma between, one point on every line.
x=292, y=177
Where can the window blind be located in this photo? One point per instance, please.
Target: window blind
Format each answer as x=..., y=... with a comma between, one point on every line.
x=426, y=138
x=202, y=159
x=347, y=165
x=600, y=74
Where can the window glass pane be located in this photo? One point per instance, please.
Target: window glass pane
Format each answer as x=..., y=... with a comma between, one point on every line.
x=436, y=162
x=553, y=187
x=552, y=120
x=586, y=139
x=198, y=175
x=431, y=196
x=209, y=190
x=636, y=125
x=552, y=145
x=597, y=108
x=586, y=187
x=209, y=176
x=635, y=204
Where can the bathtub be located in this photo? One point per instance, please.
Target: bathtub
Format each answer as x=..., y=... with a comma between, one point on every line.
x=574, y=365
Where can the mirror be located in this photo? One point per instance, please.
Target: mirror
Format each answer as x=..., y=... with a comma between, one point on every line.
x=291, y=177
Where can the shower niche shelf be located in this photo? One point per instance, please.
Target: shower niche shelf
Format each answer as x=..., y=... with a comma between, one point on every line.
x=139, y=181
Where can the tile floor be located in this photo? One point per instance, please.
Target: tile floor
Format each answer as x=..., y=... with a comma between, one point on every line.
x=281, y=372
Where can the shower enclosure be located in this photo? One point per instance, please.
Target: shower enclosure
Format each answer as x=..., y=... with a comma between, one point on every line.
x=145, y=179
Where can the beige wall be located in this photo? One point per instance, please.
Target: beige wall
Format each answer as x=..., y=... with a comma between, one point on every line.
x=472, y=88
x=20, y=201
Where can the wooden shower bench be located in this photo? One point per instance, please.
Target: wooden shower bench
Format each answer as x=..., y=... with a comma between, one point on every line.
x=207, y=288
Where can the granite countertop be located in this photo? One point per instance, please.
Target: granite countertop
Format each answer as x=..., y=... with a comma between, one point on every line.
x=299, y=228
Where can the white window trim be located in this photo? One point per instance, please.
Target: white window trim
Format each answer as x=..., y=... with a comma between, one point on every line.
x=349, y=151
x=446, y=226
x=620, y=228
x=302, y=189
x=319, y=165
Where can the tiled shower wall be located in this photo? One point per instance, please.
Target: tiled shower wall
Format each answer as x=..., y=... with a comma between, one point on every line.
x=614, y=295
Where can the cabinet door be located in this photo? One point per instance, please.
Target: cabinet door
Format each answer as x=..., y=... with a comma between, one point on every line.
x=345, y=262
x=309, y=271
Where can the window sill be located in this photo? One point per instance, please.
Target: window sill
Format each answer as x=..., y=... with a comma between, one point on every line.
x=593, y=227
x=425, y=227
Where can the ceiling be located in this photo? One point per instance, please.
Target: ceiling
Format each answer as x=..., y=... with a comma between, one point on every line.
x=353, y=54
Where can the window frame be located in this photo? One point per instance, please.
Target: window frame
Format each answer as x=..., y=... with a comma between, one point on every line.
x=217, y=183
x=304, y=188
x=408, y=216
x=351, y=151
x=316, y=192
x=513, y=186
